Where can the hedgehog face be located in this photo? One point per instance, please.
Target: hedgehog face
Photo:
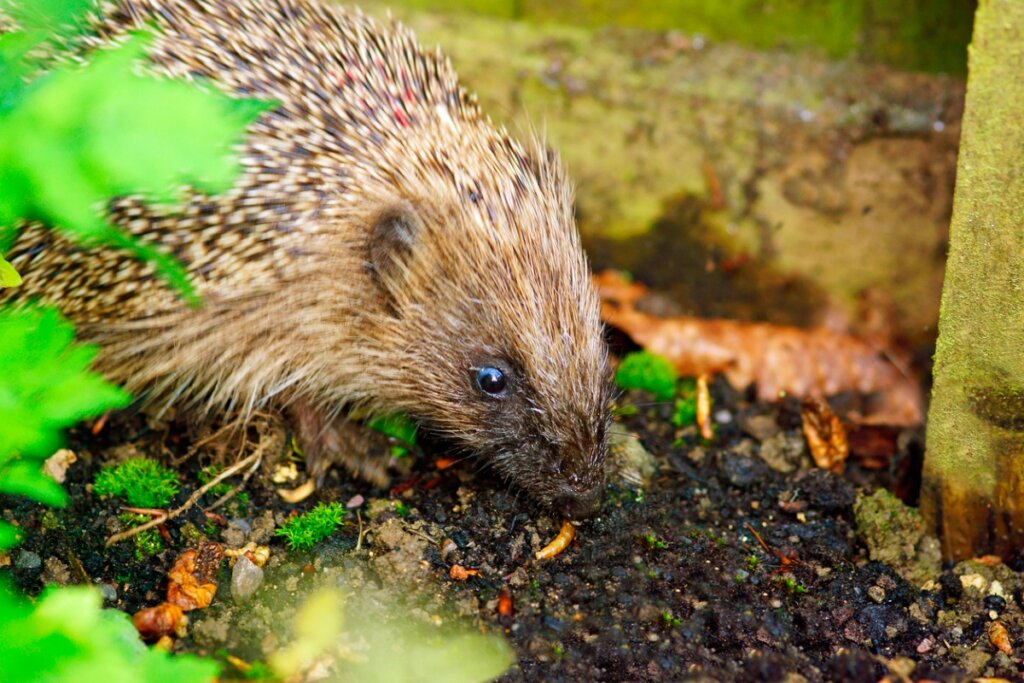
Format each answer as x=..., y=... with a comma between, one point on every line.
x=500, y=343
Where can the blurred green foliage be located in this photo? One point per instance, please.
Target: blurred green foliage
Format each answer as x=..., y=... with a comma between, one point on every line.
x=45, y=386
x=684, y=412
x=66, y=636
x=74, y=137
x=647, y=371
x=70, y=139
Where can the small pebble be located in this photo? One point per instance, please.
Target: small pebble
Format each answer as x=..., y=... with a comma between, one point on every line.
x=108, y=592
x=246, y=578
x=27, y=559
x=876, y=593
x=995, y=603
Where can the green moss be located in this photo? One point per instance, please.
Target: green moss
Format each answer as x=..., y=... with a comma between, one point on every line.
x=930, y=35
x=647, y=371
x=896, y=534
x=653, y=542
x=685, y=411
x=238, y=505
x=142, y=482
x=305, y=531
x=147, y=543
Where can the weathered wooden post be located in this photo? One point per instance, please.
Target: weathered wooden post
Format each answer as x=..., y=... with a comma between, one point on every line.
x=974, y=468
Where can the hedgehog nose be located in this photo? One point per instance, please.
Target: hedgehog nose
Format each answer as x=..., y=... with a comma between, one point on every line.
x=578, y=505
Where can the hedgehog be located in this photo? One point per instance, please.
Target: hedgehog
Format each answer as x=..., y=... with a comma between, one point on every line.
x=385, y=249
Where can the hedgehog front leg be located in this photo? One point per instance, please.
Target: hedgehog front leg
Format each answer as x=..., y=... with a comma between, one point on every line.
x=327, y=441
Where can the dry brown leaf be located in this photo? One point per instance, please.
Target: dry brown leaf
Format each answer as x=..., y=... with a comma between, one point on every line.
x=558, y=545
x=988, y=560
x=998, y=636
x=825, y=435
x=191, y=578
x=153, y=623
x=460, y=573
x=776, y=358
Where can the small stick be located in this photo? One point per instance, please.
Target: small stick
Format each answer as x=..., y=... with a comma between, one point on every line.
x=192, y=500
x=359, y=541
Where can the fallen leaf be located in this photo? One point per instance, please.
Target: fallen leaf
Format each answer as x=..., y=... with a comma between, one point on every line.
x=825, y=435
x=165, y=619
x=191, y=583
x=776, y=358
x=998, y=636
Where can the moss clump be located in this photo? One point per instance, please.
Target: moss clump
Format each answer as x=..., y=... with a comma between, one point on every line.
x=148, y=542
x=897, y=535
x=142, y=482
x=305, y=531
x=647, y=371
x=685, y=410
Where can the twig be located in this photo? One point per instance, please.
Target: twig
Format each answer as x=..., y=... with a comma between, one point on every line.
x=359, y=541
x=233, y=492
x=192, y=500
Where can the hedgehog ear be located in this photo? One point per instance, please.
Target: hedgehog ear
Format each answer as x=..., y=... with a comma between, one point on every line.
x=393, y=235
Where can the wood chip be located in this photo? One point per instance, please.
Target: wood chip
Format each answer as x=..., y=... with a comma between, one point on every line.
x=297, y=494
x=704, y=408
x=191, y=583
x=460, y=573
x=505, y=603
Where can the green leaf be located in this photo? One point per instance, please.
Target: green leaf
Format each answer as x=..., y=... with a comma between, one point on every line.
x=9, y=277
x=10, y=536
x=25, y=478
x=50, y=15
x=66, y=636
x=46, y=383
x=80, y=135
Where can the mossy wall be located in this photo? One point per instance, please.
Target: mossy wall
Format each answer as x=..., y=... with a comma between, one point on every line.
x=927, y=35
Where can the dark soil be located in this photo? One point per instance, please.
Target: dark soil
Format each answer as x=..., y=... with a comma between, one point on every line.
x=722, y=568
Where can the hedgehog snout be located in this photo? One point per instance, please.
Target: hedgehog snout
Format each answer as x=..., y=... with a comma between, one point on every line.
x=578, y=495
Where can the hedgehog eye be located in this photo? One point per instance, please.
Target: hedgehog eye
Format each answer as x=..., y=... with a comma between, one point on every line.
x=491, y=380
